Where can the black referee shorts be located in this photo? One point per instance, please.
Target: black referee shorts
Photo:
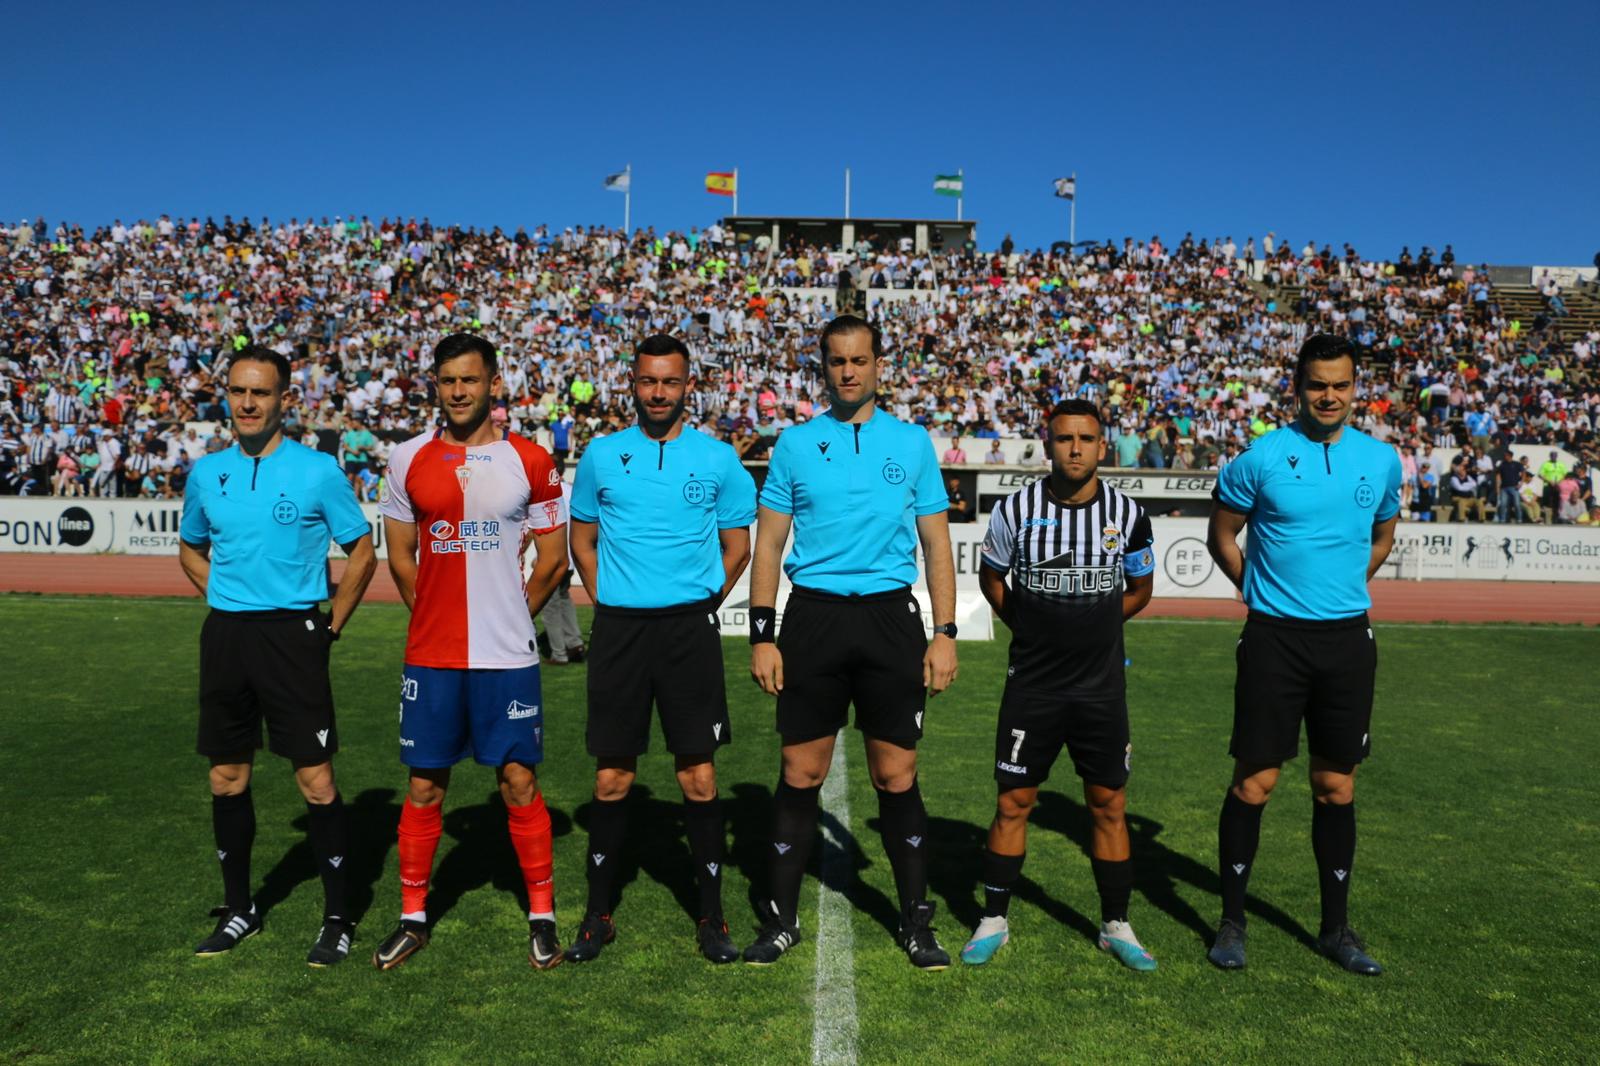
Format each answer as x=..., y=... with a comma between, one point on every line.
x=839, y=650
x=1292, y=669
x=270, y=665
x=668, y=656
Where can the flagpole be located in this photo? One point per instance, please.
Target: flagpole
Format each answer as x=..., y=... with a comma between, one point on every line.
x=627, y=203
x=847, y=192
x=1072, y=225
x=735, y=192
x=961, y=185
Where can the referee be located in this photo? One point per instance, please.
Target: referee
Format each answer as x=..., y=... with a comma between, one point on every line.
x=660, y=532
x=860, y=490
x=1321, y=500
x=257, y=519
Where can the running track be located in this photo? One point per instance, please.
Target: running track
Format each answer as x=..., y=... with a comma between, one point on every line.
x=1393, y=601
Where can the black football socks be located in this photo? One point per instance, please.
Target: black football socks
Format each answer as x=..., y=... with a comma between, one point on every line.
x=1238, y=835
x=233, y=823
x=903, y=825
x=794, y=825
x=703, y=826
x=1333, y=840
x=1000, y=876
x=608, y=828
x=329, y=829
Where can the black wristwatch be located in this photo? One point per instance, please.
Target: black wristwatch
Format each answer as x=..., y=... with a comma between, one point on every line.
x=948, y=629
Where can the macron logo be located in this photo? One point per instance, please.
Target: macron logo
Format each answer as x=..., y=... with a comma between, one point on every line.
x=335, y=861
x=221, y=855
x=915, y=842
x=716, y=730
x=713, y=867
x=919, y=719
x=597, y=857
x=783, y=849
x=761, y=625
x=322, y=737
x=1341, y=874
x=1238, y=867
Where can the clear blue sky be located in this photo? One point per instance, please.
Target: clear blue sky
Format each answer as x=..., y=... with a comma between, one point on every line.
x=1409, y=123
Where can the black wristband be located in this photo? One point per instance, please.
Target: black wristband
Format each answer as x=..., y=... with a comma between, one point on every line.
x=763, y=620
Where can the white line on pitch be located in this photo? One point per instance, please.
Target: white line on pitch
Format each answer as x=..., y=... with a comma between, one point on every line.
x=834, y=1025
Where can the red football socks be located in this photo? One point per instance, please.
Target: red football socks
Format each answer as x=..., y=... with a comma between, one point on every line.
x=420, y=828
x=530, y=836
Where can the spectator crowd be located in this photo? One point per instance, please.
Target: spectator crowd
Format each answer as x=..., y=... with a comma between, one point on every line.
x=112, y=341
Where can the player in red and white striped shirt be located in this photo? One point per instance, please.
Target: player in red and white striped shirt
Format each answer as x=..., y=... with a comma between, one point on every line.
x=456, y=503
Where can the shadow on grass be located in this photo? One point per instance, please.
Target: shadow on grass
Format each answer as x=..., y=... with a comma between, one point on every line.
x=480, y=855
x=656, y=845
x=955, y=872
x=750, y=821
x=1157, y=868
x=373, y=816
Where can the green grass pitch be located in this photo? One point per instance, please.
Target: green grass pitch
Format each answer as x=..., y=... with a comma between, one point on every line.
x=1477, y=878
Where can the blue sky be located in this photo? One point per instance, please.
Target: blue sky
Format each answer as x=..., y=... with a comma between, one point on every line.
x=1383, y=125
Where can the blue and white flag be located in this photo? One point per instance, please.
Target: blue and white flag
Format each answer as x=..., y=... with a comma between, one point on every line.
x=619, y=181
x=1066, y=188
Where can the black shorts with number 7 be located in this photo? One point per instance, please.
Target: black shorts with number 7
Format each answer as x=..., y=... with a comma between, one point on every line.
x=1035, y=726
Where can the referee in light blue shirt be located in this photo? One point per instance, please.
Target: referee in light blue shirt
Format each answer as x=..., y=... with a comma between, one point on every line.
x=860, y=491
x=660, y=532
x=257, y=519
x=1321, y=500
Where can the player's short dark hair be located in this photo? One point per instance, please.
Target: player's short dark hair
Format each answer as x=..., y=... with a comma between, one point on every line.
x=1077, y=407
x=1321, y=347
x=664, y=344
x=843, y=324
x=260, y=353
x=458, y=344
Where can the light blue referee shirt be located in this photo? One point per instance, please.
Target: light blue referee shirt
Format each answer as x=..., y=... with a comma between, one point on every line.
x=268, y=521
x=660, y=506
x=1311, y=509
x=855, y=491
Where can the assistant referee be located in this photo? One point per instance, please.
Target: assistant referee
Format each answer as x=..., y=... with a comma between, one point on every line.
x=660, y=532
x=257, y=519
x=860, y=490
x=1321, y=500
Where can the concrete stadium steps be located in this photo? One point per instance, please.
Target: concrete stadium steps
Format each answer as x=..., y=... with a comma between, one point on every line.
x=1524, y=303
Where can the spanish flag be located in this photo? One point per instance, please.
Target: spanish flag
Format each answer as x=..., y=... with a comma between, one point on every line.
x=720, y=183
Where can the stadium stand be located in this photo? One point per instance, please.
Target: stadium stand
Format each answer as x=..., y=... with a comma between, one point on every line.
x=111, y=340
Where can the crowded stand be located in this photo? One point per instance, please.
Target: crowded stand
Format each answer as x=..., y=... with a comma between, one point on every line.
x=112, y=341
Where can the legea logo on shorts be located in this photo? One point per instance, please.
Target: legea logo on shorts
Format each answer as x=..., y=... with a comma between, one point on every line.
x=522, y=710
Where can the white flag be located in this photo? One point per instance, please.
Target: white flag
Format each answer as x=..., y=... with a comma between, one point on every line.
x=1066, y=188
x=619, y=181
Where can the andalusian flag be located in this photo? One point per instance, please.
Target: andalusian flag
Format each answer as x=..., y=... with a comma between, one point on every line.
x=948, y=184
x=721, y=183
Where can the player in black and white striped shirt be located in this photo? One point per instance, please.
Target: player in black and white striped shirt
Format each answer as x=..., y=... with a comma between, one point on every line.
x=1077, y=555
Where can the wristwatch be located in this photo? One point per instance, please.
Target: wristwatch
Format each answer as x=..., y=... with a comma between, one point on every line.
x=948, y=629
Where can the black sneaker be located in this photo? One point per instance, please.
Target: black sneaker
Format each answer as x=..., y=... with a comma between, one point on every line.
x=232, y=927
x=544, y=950
x=333, y=943
x=1344, y=947
x=715, y=943
x=774, y=938
x=916, y=937
x=1227, y=950
x=594, y=933
x=407, y=939
x=576, y=653
x=542, y=640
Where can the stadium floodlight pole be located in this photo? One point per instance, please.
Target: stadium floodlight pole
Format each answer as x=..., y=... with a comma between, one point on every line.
x=961, y=186
x=1072, y=216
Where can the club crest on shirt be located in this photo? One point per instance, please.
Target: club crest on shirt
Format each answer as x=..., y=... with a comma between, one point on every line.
x=1111, y=540
x=463, y=475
